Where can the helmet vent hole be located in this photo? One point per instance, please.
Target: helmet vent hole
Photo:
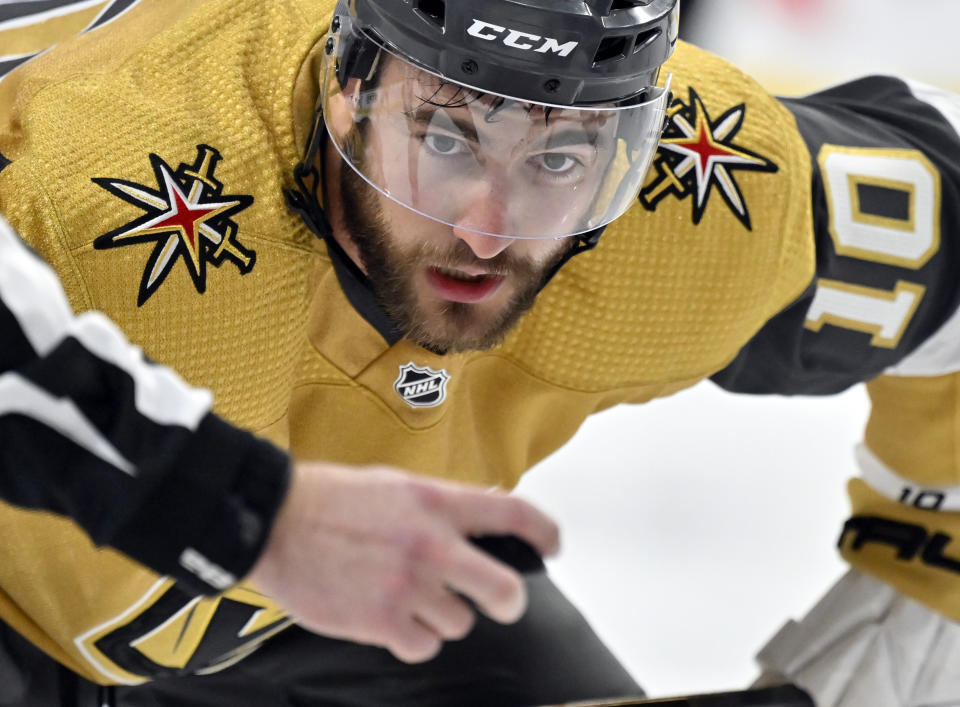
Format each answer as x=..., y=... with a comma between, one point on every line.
x=611, y=49
x=627, y=4
x=433, y=11
x=645, y=39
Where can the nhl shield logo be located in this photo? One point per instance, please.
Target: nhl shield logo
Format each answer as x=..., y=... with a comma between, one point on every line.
x=421, y=387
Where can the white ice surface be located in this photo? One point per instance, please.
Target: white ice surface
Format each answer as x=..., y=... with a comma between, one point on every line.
x=694, y=526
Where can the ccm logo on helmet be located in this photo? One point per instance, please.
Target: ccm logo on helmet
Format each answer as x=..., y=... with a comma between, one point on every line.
x=519, y=40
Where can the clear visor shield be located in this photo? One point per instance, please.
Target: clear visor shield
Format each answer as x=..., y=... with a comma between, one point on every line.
x=487, y=163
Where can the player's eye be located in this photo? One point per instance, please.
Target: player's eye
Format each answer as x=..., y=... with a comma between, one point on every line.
x=557, y=168
x=558, y=162
x=443, y=144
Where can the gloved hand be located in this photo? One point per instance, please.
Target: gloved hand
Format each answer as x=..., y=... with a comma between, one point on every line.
x=866, y=645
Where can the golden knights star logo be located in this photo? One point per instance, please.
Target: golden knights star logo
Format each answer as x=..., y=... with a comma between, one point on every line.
x=188, y=217
x=698, y=155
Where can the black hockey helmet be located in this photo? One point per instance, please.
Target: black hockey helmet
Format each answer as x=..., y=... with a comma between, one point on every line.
x=567, y=52
x=548, y=108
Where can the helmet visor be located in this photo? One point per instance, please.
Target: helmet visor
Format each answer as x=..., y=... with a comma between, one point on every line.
x=483, y=162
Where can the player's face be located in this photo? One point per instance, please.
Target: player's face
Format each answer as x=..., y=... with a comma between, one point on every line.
x=448, y=289
x=450, y=286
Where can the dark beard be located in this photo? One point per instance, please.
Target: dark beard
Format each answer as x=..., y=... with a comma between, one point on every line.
x=391, y=270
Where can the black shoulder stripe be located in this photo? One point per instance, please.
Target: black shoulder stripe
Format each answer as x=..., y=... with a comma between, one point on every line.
x=35, y=10
x=9, y=11
x=111, y=13
x=8, y=65
x=21, y=10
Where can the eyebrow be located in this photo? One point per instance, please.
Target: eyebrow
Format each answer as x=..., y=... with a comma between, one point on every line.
x=466, y=126
x=570, y=136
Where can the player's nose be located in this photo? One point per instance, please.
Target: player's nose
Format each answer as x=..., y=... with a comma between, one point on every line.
x=483, y=246
x=484, y=215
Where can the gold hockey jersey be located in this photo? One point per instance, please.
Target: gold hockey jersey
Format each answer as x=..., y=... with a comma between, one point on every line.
x=148, y=161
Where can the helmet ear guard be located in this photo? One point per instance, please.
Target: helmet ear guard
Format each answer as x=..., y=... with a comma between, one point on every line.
x=358, y=60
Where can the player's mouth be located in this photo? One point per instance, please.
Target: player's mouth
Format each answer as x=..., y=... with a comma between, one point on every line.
x=458, y=285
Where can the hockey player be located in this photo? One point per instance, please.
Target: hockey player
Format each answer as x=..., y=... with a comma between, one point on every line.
x=480, y=245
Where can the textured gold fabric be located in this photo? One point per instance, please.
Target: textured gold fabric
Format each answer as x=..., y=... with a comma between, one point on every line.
x=660, y=304
x=914, y=427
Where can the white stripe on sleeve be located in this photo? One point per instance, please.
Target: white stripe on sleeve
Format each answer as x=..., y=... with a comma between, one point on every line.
x=885, y=481
x=944, y=101
x=33, y=293
x=160, y=393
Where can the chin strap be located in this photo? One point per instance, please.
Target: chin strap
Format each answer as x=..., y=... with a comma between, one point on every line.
x=303, y=199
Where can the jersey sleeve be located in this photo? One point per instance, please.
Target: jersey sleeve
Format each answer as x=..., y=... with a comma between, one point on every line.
x=886, y=199
x=883, y=308
x=95, y=432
